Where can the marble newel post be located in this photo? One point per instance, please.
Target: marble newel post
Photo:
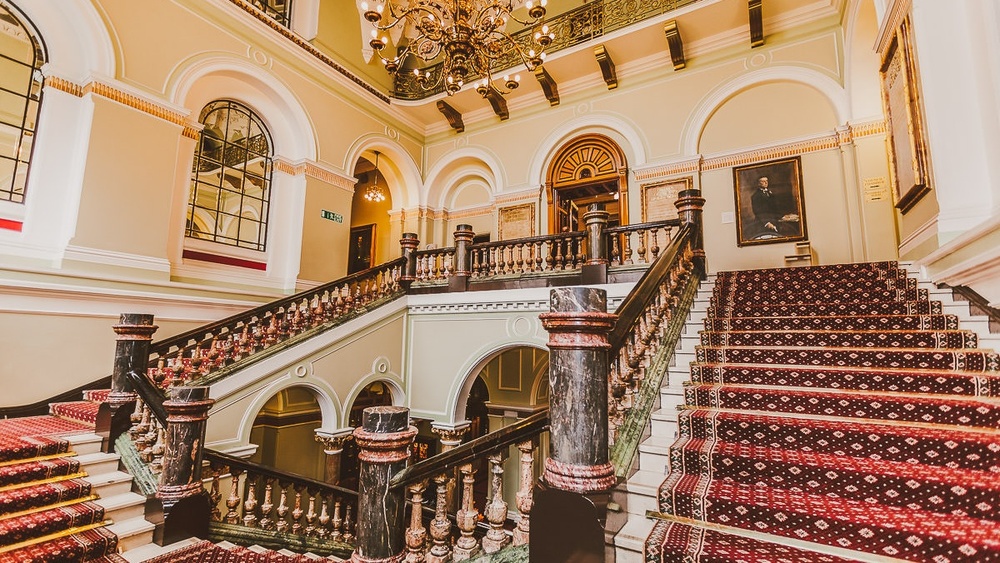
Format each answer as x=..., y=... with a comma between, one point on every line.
x=134, y=332
x=459, y=280
x=595, y=271
x=383, y=440
x=689, y=206
x=185, y=501
x=408, y=245
x=567, y=519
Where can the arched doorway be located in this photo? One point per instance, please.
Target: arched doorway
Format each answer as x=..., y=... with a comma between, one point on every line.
x=284, y=431
x=369, y=214
x=589, y=169
x=375, y=394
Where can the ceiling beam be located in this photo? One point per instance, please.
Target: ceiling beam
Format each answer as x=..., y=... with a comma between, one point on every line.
x=756, y=8
x=675, y=44
x=498, y=102
x=607, y=66
x=451, y=114
x=549, y=86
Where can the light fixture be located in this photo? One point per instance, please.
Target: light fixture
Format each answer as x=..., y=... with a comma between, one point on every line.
x=373, y=192
x=470, y=36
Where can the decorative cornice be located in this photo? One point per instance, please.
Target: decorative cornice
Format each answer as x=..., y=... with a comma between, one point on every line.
x=64, y=85
x=517, y=197
x=463, y=213
x=118, y=95
x=869, y=128
x=770, y=153
x=672, y=169
x=895, y=13
x=302, y=43
x=314, y=170
x=191, y=132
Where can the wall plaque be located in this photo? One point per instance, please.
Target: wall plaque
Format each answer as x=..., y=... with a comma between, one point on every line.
x=658, y=199
x=517, y=221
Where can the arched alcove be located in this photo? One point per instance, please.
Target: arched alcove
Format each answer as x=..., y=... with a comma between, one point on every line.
x=586, y=170
x=284, y=429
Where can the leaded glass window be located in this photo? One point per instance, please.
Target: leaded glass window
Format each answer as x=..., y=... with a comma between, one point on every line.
x=231, y=178
x=279, y=10
x=22, y=55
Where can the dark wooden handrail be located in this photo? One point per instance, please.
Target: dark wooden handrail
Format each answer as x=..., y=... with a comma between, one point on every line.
x=216, y=457
x=150, y=394
x=181, y=340
x=528, y=240
x=631, y=228
x=647, y=287
x=466, y=453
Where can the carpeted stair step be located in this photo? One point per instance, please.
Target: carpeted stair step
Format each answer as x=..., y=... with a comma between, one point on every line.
x=844, y=339
x=823, y=309
x=974, y=494
x=730, y=286
x=818, y=295
x=830, y=272
x=965, y=360
x=903, y=442
x=208, y=552
x=37, y=470
x=904, y=533
x=96, y=395
x=34, y=496
x=966, y=412
x=51, y=521
x=81, y=411
x=96, y=545
x=819, y=322
x=673, y=541
x=951, y=382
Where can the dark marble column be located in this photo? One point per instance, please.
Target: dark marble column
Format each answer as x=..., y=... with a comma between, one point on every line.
x=689, y=206
x=134, y=332
x=186, y=505
x=459, y=280
x=578, y=325
x=409, y=244
x=595, y=271
x=383, y=440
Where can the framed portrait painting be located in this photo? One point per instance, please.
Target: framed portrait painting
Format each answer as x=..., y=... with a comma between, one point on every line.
x=769, y=203
x=362, y=250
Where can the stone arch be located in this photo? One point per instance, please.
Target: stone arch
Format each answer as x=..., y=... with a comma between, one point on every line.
x=329, y=404
x=702, y=114
x=76, y=38
x=400, y=171
x=395, y=389
x=458, y=399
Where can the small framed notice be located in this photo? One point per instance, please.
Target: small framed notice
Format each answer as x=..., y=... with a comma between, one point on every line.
x=517, y=221
x=658, y=199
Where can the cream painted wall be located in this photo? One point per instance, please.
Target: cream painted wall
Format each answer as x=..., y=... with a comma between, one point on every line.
x=128, y=184
x=86, y=352
x=364, y=212
x=324, y=242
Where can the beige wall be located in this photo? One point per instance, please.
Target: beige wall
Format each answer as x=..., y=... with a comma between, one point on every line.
x=324, y=242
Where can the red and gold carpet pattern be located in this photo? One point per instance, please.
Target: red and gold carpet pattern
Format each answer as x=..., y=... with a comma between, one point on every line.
x=94, y=546
x=834, y=409
x=208, y=552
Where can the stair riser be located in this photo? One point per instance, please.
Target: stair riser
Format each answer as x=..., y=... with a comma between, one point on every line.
x=723, y=299
x=868, y=380
x=869, y=322
x=931, y=447
x=967, y=413
x=674, y=542
x=827, y=271
x=978, y=361
x=851, y=482
x=831, y=309
x=793, y=286
x=908, y=339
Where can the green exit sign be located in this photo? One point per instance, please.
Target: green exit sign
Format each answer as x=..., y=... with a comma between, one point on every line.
x=335, y=217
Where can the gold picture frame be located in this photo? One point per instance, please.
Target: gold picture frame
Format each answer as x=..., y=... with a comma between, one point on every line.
x=658, y=198
x=908, y=157
x=769, y=203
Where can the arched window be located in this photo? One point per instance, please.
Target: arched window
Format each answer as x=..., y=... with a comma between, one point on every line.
x=231, y=178
x=22, y=55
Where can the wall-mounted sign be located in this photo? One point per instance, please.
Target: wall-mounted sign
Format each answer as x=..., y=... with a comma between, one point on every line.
x=876, y=189
x=330, y=215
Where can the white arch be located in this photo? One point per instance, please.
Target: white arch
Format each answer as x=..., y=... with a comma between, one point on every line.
x=78, y=42
x=389, y=379
x=401, y=172
x=822, y=83
x=625, y=133
x=463, y=385
x=329, y=405
x=460, y=163
x=196, y=82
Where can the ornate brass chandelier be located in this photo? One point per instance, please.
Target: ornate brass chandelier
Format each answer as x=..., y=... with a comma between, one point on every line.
x=469, y=35
x=373, y=192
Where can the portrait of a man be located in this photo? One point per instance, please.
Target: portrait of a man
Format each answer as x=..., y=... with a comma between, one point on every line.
x=769, y=205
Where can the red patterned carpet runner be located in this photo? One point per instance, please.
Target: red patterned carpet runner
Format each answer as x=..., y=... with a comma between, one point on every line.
x=46, y=509
x=833, y=411
x=208, y=552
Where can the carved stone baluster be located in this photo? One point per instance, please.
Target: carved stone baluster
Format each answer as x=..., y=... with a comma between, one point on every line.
x=496, y=510
x=536, y=255
x=266, y=522
x=524, y=499
x=215, y=497
x=349, y=524
x=250, y=505
x=311, y=517
x=337, y=523
x=640, y=251
x=322, y=530
x=440, y=531
x=627, y=252
x=654, y=248
x=520, y=257
x=157, y=450
x=297, y=513
x=416, y=534
x=232, y=516
x=467, y=516
x=559, y=262
x=149, y=441
x=282, y=521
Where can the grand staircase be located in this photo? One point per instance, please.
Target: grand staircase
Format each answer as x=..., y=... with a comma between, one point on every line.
x=833, y=413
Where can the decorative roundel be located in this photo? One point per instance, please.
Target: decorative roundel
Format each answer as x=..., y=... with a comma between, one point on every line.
x=301, y=370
